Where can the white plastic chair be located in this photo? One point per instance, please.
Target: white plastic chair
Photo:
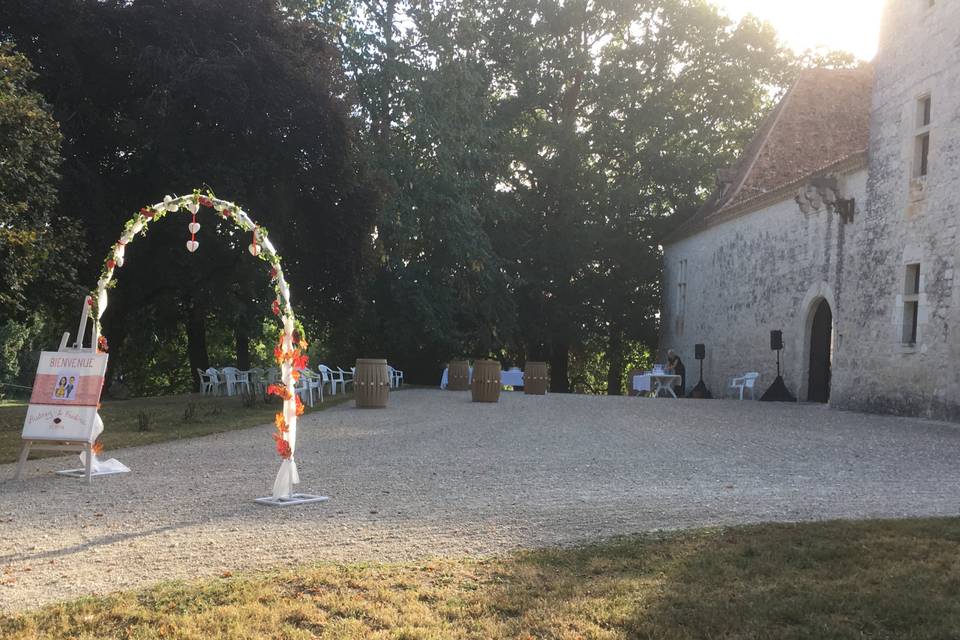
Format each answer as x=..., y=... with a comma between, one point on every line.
x=218, y=381
x=207, y=384
x=396, y=377
x=258, y=380
x=745, y=383
x=235, y=379
x=346, y=376
x=307, y=383
x=333, y=378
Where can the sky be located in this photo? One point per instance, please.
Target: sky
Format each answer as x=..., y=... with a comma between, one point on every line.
x=850, y=25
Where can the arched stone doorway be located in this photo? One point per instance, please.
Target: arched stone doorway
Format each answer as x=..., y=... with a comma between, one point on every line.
x=821, y=353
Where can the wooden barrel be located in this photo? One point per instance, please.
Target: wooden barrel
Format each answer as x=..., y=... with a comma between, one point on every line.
x=535, y=379
x=458, y=376
x=485, y=386
x=371, y=384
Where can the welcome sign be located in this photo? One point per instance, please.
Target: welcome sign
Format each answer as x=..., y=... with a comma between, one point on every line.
x=66, y=392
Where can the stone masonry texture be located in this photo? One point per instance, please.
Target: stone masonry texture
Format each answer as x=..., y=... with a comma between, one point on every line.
x=770, y=268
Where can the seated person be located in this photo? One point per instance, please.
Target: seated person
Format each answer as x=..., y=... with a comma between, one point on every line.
x=675, y=366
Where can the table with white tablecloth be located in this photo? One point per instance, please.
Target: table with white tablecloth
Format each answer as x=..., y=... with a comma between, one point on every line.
x=511, y=378
x=446, y=373
x=656, y=383
x=641, y=383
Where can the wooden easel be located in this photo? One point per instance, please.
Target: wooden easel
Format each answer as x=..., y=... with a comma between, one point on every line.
x=76, y=446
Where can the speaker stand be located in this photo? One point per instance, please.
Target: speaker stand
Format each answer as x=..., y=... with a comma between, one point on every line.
x=700, y=392
x=778, y=391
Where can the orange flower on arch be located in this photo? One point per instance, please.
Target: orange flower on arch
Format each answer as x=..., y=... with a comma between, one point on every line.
x=283, y=447
x=300, y=361
x=279, y=390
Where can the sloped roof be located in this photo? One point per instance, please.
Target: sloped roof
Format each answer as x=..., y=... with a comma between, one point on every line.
x=823, y=121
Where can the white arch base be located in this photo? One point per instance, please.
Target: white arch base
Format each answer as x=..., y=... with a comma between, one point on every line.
x=293, y=498
x=82, y=473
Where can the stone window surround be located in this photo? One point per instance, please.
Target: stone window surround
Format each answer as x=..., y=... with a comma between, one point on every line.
x=911, y=256
x=918, y=131
x=681, y=295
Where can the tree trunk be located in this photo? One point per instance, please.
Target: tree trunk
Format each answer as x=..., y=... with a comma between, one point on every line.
x=560, y=368
x=196, y=341
x=243, y=348
x=615, y=357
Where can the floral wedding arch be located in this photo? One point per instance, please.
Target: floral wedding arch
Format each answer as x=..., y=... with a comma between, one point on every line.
x=291, y=347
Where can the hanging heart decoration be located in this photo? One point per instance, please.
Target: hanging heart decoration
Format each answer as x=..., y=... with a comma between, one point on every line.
x=193, y=227
x=254, y=247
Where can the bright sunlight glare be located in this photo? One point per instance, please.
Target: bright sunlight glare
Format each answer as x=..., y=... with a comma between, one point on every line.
x=847, y=25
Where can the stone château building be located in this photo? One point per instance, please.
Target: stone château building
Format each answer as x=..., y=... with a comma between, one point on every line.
x=839, y=226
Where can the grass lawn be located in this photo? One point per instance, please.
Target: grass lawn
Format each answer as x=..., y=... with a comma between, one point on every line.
x=884, y=579
x=168, y=418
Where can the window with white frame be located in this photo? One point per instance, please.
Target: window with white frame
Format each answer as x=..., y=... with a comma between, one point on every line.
x=681, y=295
x=911, y=304
x=921, y=144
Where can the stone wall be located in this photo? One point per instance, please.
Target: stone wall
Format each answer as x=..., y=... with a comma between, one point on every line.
x=763, y=270
x=907, y=220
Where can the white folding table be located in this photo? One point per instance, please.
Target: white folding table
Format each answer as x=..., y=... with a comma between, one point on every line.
x=664, y=382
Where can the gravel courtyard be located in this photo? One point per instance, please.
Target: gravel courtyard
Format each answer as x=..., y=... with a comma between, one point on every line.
x=437, y=475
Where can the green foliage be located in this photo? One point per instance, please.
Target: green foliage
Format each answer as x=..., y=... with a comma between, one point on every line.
x=827, y=59
x=39, y=252
x=30, y=149
x=18, y=341
x=616, y=116
x=533, y=152
x=434, y=284
x=157, y=96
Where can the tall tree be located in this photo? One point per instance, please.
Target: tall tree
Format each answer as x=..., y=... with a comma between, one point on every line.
x=620, y=111
x=160, y=96
x=534, y=150
x=437, y=288
x=39, y=252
